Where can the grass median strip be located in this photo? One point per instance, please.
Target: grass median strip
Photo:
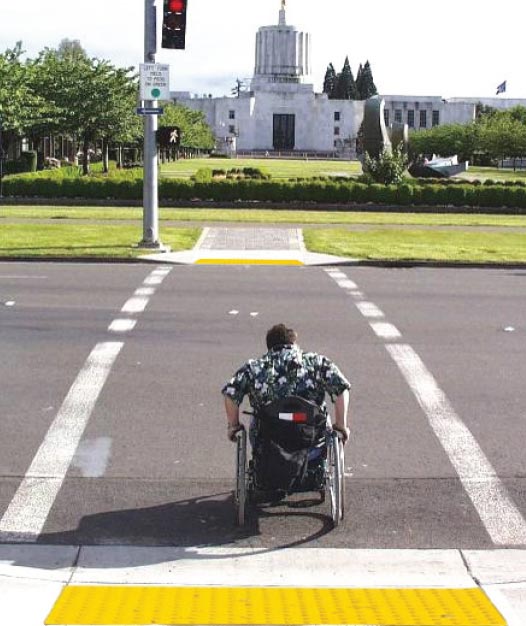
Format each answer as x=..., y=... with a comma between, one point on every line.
x=111, y=240
x=416, y=245
x=263, y=216
x=84, y=240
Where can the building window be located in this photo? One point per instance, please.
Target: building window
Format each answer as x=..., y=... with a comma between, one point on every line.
x=423, y=119
x=335, y=143
x=336, y=116
x=411, y=118
x=232, y=129
x=231, y=115
x=436, y=118
x=336, y=130
x=386, y=117
x=398, y=115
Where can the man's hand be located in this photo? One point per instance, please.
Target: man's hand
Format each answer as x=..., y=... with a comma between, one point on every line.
x=344, y=432
x=232, y=430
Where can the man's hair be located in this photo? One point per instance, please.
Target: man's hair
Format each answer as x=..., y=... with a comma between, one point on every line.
x=280, y=335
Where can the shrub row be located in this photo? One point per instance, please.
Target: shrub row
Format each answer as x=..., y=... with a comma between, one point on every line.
x=461, y=181
x=514, y=198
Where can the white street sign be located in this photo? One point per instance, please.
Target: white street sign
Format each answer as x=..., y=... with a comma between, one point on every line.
x=154, y=81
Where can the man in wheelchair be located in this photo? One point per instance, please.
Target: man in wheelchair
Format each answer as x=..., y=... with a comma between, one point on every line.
x=286, y=388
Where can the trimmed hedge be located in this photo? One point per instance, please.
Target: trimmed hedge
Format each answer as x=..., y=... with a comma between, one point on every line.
x=513, y=198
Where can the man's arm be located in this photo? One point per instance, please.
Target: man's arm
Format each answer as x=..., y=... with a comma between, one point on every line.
x=341, y=409
x=232, y=416
x=232, y=411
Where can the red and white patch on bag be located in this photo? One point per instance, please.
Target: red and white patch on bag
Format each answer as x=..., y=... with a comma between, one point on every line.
x=293, y=417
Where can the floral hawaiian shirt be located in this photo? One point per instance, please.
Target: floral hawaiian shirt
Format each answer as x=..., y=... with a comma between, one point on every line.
x=285, y=371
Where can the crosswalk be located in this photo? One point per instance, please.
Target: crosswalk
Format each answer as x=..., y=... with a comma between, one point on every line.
x=393, y=557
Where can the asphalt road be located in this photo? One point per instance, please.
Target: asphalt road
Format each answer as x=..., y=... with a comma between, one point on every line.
x=154, y=467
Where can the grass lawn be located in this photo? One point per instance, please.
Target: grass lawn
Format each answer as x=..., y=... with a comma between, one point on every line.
x=262, y=216
x=277, y=168
x=493, y=173
x=292, y=168
x=82, y=240
x=110, y=239
x=431, y=245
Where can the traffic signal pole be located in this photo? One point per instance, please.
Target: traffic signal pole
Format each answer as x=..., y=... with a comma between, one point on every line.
x=150, y=238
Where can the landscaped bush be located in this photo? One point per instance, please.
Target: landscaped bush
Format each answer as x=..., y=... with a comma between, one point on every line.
x=203, y=175
x=239, y=173
x=405, y=194
x=127, y=185
x=29, y=160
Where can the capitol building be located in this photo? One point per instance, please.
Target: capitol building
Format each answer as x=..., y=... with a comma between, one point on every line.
x=281, y=112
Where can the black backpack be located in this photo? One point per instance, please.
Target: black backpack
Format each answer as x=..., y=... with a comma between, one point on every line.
x=286, y=430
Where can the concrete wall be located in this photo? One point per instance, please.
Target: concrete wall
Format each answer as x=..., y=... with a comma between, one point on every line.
x=315, y=115
x=435, y=108
x=315, y=122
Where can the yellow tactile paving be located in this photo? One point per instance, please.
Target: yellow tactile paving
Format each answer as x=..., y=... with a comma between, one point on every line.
x=248, y=262
x=97, y=605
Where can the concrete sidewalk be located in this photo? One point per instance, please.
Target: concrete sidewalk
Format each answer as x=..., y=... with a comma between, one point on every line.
x=435, y=587
x=242, y=245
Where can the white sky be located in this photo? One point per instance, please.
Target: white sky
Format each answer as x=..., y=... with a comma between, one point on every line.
x=462, y=48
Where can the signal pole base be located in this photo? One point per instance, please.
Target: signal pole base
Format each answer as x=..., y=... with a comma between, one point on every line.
x=153, y=245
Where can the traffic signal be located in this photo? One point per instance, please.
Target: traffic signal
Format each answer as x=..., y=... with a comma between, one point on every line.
x=169, y=137
x=174, y=24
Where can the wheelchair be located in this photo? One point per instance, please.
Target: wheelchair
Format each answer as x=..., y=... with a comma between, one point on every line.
x=295, y=450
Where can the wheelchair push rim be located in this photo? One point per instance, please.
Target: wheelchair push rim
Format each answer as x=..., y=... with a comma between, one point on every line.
x=335, y=477
x=240, y=495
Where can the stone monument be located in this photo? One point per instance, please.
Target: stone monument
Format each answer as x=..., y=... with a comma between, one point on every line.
x=375, y=135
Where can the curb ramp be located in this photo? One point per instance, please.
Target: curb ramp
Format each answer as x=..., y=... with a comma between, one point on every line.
x=248, y=246
x=246, y=257
x=123, y=585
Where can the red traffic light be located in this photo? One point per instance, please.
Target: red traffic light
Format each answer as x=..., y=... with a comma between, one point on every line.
x=174, y=24
x=176, y=6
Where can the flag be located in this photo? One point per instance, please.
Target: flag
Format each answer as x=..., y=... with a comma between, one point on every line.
x=293, y=417
x=501, y=88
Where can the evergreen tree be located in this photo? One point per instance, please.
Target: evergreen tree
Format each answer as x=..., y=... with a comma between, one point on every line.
x=71, y=49
x=359, y=82
x=345, y=85
x=239, y=87
x=367, y=87
x=329, y=84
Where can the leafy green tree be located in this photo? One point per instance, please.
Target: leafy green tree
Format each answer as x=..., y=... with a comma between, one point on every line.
x=329, y=82
x=91, y=99
x=446, y=140
x=504, y=137
x=345, y=84
x=518, y=113
x=195, y=132
x=483, y=111
x=20, y=106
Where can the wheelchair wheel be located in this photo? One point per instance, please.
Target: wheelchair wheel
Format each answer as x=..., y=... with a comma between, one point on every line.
x=335, y=478
x=240, y=496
